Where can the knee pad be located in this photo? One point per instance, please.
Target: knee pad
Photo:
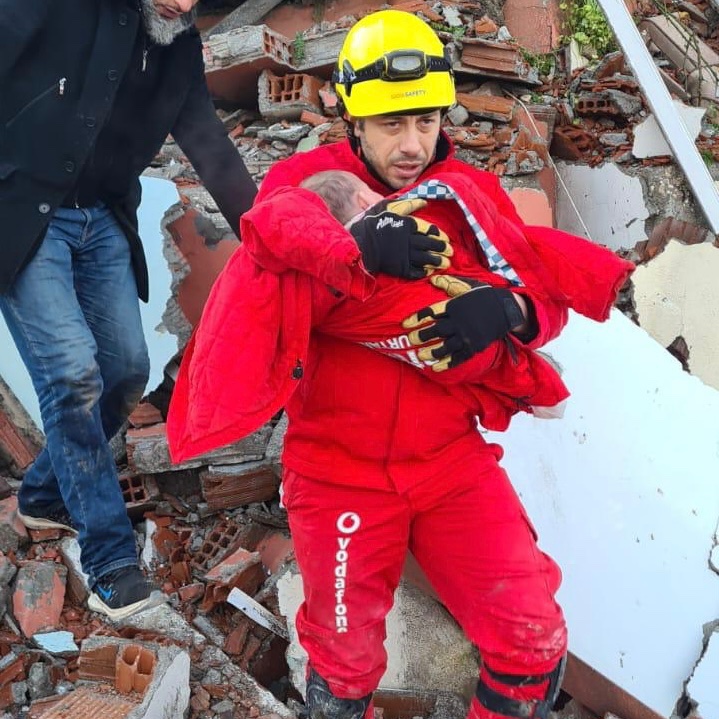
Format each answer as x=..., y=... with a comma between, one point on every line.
x=498, y=698
x=323, y=704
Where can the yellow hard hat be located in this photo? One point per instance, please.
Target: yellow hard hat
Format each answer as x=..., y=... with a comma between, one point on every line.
x=390, y=62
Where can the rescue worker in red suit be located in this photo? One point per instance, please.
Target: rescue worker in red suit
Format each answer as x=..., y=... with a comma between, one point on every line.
x=379, y=457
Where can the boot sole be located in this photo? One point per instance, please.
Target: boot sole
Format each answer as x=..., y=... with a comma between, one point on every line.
x=40, y=523
x=155, y=599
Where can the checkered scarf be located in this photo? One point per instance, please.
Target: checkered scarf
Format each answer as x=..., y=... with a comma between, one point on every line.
x=438, y=190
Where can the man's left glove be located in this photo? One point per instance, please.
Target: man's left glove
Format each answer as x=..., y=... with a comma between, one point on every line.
x=399, y=245
x=476, y=315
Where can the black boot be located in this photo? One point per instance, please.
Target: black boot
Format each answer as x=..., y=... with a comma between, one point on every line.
x=323, y=704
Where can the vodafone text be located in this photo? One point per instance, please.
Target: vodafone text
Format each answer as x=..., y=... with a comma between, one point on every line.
x=347, y=523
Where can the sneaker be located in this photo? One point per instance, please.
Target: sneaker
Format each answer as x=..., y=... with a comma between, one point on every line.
x=124, y=592
x=51, y=519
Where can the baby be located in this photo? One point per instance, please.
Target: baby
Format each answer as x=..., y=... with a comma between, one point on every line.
x=504, y=368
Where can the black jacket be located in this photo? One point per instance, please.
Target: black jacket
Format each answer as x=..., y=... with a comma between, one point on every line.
x=87, y=99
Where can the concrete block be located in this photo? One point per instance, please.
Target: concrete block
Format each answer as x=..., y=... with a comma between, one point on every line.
x=425, y=646
x=147, y=450
x=57, y=643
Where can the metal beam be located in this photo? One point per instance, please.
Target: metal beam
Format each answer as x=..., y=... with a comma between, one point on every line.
x=670, y=121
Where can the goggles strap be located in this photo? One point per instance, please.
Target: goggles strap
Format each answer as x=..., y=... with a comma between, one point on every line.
x=349, y=77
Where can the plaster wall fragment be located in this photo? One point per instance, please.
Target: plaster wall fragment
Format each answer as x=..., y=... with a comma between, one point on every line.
x=610, y=202
x=649, y=140
x=622, y=492
x=677, y=295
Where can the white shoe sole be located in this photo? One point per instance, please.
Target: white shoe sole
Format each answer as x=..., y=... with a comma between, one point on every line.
x=95, y=603
x=40, y=523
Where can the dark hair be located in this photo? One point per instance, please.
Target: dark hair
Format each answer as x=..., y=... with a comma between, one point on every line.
x=338, y=189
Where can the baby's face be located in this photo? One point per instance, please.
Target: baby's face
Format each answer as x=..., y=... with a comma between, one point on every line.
x=362, y=200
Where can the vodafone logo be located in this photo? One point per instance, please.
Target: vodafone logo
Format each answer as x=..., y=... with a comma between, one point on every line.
x=348, y=523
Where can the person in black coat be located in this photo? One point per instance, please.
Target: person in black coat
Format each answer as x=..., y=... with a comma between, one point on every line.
x=89, y=91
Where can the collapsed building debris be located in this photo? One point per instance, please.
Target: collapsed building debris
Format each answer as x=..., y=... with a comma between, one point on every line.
x=212, y=530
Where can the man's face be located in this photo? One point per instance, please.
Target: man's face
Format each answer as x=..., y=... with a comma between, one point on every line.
x=166, y=19
x=172, y=9
x=399, y=147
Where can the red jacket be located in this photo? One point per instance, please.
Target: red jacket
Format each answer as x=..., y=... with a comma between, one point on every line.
x=355, y=415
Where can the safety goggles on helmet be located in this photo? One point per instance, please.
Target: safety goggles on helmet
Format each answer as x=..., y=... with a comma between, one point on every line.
x=394, y=66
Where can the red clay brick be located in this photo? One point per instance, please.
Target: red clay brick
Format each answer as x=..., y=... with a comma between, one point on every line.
x=87, y=703
x=39, y=596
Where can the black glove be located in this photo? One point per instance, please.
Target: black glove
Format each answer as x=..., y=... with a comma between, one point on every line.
x=398, y=245
x=476, y=315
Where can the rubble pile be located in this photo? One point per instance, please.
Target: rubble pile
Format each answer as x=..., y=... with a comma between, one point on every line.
x=203, y=530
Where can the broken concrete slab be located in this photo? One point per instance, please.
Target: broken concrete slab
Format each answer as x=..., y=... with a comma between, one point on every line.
x=685, y=51
x=676, y=295
x=702, y=686
x=637, y=503
x=649, y=140
x=147, y=450
x=248, y=13
x=245, y=685
x=234, y=60
x=165, y=620
x=77, y=587
x=60, y=643
x=425, y=646
x=611, y=204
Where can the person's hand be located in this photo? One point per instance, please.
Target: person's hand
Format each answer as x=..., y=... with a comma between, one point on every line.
x=394, y=243
x=453, y=330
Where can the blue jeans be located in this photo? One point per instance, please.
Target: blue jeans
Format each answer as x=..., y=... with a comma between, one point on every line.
x=74, y=314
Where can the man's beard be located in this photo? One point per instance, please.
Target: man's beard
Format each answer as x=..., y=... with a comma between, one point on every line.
x=164, y=30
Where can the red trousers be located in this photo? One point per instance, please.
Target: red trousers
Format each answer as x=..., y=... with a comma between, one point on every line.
x=470, y=534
